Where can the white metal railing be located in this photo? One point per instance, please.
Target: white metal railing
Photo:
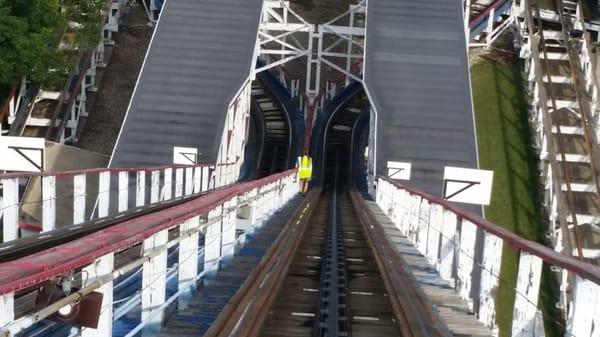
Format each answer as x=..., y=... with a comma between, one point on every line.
x=64, y=199
x=217, y=216
x=451, y=241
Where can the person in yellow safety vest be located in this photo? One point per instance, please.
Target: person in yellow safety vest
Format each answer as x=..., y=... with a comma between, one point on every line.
x=304, y=166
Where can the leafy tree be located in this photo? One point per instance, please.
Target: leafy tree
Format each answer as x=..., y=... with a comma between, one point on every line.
x=27, y=38
x=30, y=31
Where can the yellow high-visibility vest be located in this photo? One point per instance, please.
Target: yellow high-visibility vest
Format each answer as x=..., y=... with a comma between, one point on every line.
x=304, y=164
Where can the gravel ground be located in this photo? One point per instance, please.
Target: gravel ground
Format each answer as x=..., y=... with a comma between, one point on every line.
x=320, y=11
x=108, y=111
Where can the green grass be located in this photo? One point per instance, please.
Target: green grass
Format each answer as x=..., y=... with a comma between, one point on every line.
x=505, y=146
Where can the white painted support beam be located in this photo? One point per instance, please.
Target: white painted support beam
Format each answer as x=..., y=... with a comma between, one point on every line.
x=212, y=242
x=584, y=316
x=583, y=188
x=167, y=189
x=488, y=285
x=189, y=180
x=526, y=297
x=123, y=191
x=553, y=35
x=101, y=267
x=583, y=219
x=154, y=187
x=568, y=130
x=465, y=263
x=7, y=308
x=188, y=261
x=588, y=253
x=562, y=103
x=228, y=229
x=205, y=178
x=178, y=182
x=140, y=189
x=197, y=179
x=154, y=282
x=422, y=226
x=555, y=56
x=344, y=30
x=79, y=196
x=433, y=235
x=48, y=203
x=103, y=194
x=557, y=79
x=10, y=206
x=448, y=247
x=570, y=157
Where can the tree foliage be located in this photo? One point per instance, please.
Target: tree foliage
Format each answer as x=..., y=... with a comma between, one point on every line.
x=30, y=31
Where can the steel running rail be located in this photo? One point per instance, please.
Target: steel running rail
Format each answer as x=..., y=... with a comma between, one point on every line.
x=247, y=311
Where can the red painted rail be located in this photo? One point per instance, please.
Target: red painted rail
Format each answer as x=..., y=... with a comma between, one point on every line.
x=583, y=269
x=34, y=269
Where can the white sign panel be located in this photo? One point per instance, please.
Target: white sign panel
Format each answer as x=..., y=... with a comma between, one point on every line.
x=468, y=185
x=185, y=155
x=399, y=170
x=22, y=154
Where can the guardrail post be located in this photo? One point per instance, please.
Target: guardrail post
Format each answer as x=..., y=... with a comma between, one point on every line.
x=197, y=179
x=178, y=182
x=188, y=261
x=189, y=180
x=526, y=297
x=48, y=203
x=423, y=226
x=123, y=191
x=205, y=178
x=140, y=186
x=448, y=246
x=584, y=316
x=466, y=256
x=79, y=199
x=101, y=267
x=436, y=220
x=492, y=258
x=7, y=308
x=167, y=190
x=154, y=282
x=212, y=242
x=228, y=236
x=10, y=204
x=103, y=194
x=154, y=187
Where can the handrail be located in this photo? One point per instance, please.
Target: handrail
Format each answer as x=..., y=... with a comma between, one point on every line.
x=35, y=269
x=70, y=173
x=583, y=269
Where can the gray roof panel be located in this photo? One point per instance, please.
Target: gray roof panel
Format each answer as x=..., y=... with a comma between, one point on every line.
x=416, y=73
x=200, y=56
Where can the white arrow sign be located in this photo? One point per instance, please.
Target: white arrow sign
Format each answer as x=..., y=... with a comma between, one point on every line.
x=185, y=155
x=468, y=185
x=399, y=170
x=22, y=154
